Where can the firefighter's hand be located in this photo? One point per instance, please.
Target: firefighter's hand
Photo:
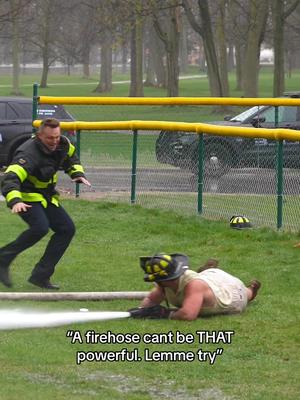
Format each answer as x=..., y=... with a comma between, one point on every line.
x=20, y=207
x=83, y=180
x=155, y=312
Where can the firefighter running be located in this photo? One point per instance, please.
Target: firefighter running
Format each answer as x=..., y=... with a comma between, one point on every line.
x=29, y=189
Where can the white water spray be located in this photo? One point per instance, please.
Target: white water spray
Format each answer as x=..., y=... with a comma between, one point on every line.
x=20, y=319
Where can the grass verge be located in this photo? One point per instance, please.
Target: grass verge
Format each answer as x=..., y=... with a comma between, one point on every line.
x=262, y=362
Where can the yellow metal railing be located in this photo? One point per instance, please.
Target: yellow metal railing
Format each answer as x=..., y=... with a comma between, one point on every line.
x=159, y=101
x=274, y=134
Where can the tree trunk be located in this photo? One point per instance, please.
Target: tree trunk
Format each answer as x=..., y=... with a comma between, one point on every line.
x=158, y=52
x=251, y=67
x=257, y=25
x=172, y=73
x=289, y=61
x=206, y=33
x=221, y=40
x=238, y=67
x=86, y=69
x=106, y=67
x=238, y=27
x=105, y=82
x=136, y=66
x=173, y=54
x=86, y=62
x=15, y=51
x=45, y=51
x=170, y=40
x=279, y=15
x=45, y=70
x=69, y=66
x=183, y=46
x=278, y=43
x=215, y=83
x=212, y=69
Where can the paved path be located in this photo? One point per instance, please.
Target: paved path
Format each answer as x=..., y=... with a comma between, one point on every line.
x=244, y=181
x=96, y=82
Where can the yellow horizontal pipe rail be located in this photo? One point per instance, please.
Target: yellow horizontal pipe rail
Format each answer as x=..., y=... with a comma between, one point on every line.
x=234, y=101
x=274, y=134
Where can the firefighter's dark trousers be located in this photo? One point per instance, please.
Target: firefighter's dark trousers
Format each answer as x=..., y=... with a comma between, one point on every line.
x=40, y=220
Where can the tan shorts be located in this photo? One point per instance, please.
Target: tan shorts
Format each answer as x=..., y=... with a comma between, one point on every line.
x=230, y=292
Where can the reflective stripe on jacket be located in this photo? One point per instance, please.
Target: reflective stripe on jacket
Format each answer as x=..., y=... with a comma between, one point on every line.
x=32, y=175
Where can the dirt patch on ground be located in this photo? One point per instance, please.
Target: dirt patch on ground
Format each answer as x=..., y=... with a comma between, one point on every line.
x=161, y=390
x=96, y=196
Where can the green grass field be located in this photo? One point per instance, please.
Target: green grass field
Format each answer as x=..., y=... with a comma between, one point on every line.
x=74, y=85
x=262, y=362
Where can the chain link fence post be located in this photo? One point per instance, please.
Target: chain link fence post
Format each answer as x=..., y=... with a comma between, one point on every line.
x=133, y=168
x=34, y=104
x=78, y=140
x=279, y=171
x=201, y=150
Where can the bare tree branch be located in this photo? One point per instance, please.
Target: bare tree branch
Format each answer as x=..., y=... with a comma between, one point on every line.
x=191, y=17
x=291, y=8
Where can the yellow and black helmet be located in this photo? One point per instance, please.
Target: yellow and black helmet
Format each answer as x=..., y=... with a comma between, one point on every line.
x=240, y=222
x=163, y=267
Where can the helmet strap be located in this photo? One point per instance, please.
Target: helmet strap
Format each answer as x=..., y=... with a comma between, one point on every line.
x=166, y=300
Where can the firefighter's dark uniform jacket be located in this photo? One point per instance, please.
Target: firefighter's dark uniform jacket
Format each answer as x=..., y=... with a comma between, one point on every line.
x=32, y=175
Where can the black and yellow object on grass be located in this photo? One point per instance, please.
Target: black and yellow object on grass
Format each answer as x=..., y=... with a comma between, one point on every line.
x=240, y=222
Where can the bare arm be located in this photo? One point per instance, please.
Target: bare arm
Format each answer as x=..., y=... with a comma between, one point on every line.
x=156, y=296
x=193, y=301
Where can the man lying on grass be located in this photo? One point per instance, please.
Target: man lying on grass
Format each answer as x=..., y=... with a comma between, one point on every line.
x=210, y=291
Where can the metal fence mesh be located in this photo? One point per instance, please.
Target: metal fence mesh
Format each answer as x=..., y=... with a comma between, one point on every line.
x=240, y=182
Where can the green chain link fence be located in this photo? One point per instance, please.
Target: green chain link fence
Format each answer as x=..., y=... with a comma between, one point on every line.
x=242, y=187
x=239, y=174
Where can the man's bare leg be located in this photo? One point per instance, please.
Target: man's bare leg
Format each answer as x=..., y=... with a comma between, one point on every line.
x=252, y=289
x=210, y=263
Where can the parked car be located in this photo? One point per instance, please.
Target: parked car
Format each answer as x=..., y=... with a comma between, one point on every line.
x=224, y=152
x=16, y=123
